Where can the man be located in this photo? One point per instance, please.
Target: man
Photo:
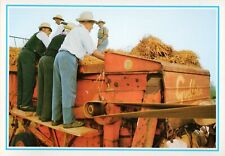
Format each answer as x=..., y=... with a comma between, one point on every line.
x=60, y=22
x=26, y=68
x=45, y=76
x=102, y=36
x=58, y=19
x=76, y=45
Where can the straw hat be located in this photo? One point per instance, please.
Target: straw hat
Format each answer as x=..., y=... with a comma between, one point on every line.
x=205, y=122
x=86, y=16
x=58, y=17
x=101, y=21
x=69, y=26
x=45, y=25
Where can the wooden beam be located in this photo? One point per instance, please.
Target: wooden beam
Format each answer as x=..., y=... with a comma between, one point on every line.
x=80, y=131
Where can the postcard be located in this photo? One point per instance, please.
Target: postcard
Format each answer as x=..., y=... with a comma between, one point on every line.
x=114, y=77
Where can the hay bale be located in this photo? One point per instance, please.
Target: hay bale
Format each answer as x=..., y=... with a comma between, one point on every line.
x=151, y=47
x=88, y=59
x=187, y=57
x=13, y=55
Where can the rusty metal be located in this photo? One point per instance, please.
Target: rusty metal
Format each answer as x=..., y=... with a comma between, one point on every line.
x=55, y=139
x=111, y=134
x=95, y=108
x=92, y=68
x=41, y=136
x=129, y=63
x=145, y=132
x=178, y=68
x=183, y=88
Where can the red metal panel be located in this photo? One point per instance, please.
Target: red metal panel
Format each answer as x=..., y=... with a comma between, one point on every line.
x=13, y=89
x=109, y=109
x=91, y=68
x=145, y=132
x=126, y=82
x=87, y=142
x=60, y=135
x=184, y=88
x=111, y=134
x=44, y=130
x=154, y=98
x=125, y=139
x=123, y=96
x=83, y=96
x=88, y=90
x=129, y=63
x=146, y=127
x=99, y=76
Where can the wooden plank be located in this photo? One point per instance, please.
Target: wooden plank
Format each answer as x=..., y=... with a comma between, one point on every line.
x=203, y=111
x=80, y=131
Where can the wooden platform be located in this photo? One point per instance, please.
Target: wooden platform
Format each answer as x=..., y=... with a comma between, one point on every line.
x=80, y=131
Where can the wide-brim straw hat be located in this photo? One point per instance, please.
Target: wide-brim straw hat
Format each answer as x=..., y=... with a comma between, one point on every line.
x=45, y=25
x=205, y=122
x=58, y=17
x=101, y=21
x=86, y=16
x=69, y=26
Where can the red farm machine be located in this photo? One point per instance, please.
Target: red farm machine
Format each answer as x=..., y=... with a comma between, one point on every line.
x=124, y=102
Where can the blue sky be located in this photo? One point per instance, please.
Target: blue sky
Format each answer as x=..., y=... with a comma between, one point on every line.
x=183, y=28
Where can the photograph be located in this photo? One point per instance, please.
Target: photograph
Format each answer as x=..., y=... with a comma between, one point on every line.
x=123, y=77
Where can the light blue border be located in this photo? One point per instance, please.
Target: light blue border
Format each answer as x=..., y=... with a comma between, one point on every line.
x=116, y=149
x=218, y=82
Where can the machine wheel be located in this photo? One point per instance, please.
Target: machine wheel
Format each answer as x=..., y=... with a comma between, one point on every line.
x=24, y=139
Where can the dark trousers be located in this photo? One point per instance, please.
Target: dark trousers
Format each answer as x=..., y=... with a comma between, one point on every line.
x=26, y=77
x=45, y=83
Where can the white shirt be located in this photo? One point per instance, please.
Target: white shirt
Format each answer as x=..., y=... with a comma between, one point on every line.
x=78, y=42
x=43, y=37
x=59, y=30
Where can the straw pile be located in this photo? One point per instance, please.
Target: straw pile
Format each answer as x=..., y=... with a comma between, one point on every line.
x=153, y=48
x=120, y=51
x=90, y=60
x=93, y=60
x=13, y=55
x=185, y=57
